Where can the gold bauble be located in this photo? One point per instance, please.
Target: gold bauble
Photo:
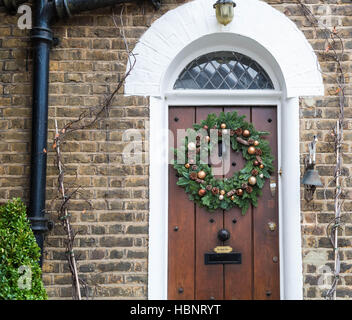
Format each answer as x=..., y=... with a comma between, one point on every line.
x=233, y=198
x=246, y=133
x=221, y=197
x=202, y=192
x=251, y=150
x=201, y=174
x=256, y=143
x=187, y=165
x=222, y=192
x=261, y=166
x=223, y=126
x=207, y=138
x=252, y=180
x=239, y=192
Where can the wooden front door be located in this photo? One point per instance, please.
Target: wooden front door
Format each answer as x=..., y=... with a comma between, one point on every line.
x=193, y=231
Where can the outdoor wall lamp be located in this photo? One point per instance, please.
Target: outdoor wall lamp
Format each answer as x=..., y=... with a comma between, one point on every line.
x=224, y=11
x=311, y=179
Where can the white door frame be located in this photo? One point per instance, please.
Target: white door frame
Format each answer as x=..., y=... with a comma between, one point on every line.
x=291, y=283
x=282, y=50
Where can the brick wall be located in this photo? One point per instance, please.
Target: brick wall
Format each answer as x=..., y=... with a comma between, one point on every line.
x=112, y=243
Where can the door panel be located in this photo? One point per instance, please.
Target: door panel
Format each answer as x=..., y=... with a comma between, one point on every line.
x=238, y=277
x=266, y=242
x=209, y=282
x=258, y=275
x=181, y=217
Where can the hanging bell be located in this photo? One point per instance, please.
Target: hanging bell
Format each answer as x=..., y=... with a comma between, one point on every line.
x=312, y=178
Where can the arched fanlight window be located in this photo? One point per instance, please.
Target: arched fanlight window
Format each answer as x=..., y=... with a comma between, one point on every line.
x=223, y=70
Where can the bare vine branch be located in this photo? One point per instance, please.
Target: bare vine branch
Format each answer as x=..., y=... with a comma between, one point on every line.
x=335, y=50
x=85, y=121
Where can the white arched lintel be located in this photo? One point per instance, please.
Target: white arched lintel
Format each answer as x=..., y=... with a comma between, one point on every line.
x=271, y=39
x=169, y=35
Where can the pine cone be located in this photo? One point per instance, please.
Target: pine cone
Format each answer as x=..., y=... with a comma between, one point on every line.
x=239, y=131
x=200, y=181
x=244, y=185
x=249, y=189
x=215, y=191
x=258, y=152
x=232, y=133
x=194, y=167
x=255, y=172
x=193, y=175
x=209, y=187
x=251, y=141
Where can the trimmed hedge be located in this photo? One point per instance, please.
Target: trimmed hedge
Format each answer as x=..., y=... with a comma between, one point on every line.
x=20, y=273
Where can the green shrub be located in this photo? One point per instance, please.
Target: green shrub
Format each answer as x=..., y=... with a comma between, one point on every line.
x=20, y=274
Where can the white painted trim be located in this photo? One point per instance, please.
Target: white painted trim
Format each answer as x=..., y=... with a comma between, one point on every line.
x=282, y=50
x=291, y=283
x=290, y=209
x=221, y=97
x=158, y=201
x=254, y=20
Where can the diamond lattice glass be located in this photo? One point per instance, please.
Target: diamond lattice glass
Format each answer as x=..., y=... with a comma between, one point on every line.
x=223, y=70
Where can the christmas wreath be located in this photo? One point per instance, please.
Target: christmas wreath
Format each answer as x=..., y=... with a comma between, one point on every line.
x=196, y=177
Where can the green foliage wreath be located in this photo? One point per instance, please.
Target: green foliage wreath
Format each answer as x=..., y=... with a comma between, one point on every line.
x=244, y=187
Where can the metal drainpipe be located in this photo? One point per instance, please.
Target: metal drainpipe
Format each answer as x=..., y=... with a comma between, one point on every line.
x=45, y=11
x=42, y=39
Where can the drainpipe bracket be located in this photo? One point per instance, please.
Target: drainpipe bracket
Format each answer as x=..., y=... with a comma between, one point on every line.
x=39, y=224
x=40, y=33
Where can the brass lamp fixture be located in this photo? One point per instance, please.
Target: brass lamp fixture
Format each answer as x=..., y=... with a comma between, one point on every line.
x=311, y=179
x=224, y=11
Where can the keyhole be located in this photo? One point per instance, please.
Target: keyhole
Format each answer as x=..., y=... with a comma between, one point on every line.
x=176, y=119
x=234, y=164
x=270, y=120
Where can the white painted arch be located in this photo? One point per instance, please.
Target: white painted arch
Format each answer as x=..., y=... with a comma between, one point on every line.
x=253, y=19
x=271, y=39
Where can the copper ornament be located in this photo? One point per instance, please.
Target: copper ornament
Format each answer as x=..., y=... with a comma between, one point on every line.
x=201, y=174
x=246, y=133
x=251, y=150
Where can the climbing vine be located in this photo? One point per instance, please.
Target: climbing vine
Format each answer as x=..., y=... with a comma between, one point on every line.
x=86, y=120
x=334, y=50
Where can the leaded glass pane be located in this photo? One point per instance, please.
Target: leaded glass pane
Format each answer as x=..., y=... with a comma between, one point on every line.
x=223, y=70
